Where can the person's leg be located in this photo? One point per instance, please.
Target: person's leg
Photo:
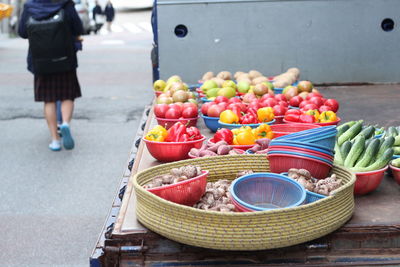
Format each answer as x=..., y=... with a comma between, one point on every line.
x=67, y=108
x=50, y=114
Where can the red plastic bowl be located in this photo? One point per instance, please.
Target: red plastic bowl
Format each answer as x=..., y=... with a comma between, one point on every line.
x=316, y=123
x=279, y=163
x=242, y=147
x=239, y=207
x=288, y=128
x=299, y=149
x=325, y=156
x=368, y=181
x=167, y=123
x=396, y=173
x=172, y=151
x=187, y=192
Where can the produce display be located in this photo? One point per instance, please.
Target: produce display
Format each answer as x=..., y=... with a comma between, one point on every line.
x=176, y=175
x=319, y=186
x=177, y=133
x=357, y=149
x=310, y=116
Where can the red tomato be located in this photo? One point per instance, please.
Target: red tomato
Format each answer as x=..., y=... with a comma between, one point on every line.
x=254, y=104
x=283, y=103
x=190, y=112
x=324, y=108
x=234, y=100
x=160, y=110
x=294, y=112
x=176, y=106
x=223, y=105
x=303, y=103
x=295, y=101
x=266, y=96
x=173, y=113
x=312, y=95
x=316, y=100
x=270, y=102
x=189, y=104
x=279, y=110
x=220, y=99
x=280, y=97
x=309, y=107
x=292, y=117
x=333, y=103
x=214, y=110
x=204, y=107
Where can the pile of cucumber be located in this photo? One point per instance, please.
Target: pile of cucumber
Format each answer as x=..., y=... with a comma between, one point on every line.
x=395, y=132
x=357, y=148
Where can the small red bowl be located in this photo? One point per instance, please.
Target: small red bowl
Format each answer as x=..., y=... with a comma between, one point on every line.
x=316, y=123
x=172, y=151
x=288, y=128
x=368, y=181
x=167, y=123
x=396, y=173
x=282, y=163
x=187, y=192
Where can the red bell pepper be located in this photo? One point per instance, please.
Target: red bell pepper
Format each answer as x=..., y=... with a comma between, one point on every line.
x=248, y=119
x=223, y=135
x=237, y=111
x=292, y=117
x=252, y=111
x=306, y=118
x=294, y=111
x=175, y=132
x=193, y=133
x=184, y=138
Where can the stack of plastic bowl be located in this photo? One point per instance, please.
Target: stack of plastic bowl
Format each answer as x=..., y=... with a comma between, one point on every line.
x=265, y=191
x=311, y=150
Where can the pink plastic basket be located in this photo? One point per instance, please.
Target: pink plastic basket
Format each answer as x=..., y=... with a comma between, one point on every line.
x=282, y=163
x=187, y=192
x=172, y=151
x=167, y=123
x=368, y=181
x=288, y=128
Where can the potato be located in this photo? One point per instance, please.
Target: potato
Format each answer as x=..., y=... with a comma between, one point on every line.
x=207, y=76
x=225, y=75
x=254, y=74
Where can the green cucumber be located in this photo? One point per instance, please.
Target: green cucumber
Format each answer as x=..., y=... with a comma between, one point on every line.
x=396, y=150
x=368, y=132
x=349, y=123
x=368, y=154
x=387, y=143
x=350, y=133
x=379, y=163
x=355, y=151
x=396, y=162
x=397, y=140
x=338, y=159
x=345, y=149
x=392, y=131
x=341, y=130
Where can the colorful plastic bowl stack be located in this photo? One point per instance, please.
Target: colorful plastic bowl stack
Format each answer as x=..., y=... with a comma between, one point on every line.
x=296, y=151
x=266, y=191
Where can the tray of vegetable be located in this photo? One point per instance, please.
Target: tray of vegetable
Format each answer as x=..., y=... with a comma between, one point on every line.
x=220, y=229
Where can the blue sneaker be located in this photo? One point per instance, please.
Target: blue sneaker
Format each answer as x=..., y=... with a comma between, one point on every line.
x=67, y=139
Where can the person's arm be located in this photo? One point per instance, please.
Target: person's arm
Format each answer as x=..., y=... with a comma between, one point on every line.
x=22, y=25
x=76, y=23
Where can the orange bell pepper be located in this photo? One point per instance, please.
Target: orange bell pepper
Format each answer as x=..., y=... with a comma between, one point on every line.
x=265, y=114
x=327, y=116
x=228, y=116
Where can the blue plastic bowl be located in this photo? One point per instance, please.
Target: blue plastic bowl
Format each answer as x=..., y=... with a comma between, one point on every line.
x=278, y=90
x=211, y=122
x=310, y=196
x=204, y=99
x=327, y=141
x=330, y=162
x=295, y=83
x=234, y=126
x=267, y=191
x=313, y=146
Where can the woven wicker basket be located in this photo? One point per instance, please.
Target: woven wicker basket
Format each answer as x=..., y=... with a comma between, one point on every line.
x=241, y=230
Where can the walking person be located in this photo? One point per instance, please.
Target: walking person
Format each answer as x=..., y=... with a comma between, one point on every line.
x=52, y=59
x=110, y=14
x=97, y=16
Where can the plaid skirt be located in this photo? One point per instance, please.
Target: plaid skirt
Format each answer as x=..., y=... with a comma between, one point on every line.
x=58, y=86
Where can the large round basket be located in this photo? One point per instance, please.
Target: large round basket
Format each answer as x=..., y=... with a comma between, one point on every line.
x=241, y=230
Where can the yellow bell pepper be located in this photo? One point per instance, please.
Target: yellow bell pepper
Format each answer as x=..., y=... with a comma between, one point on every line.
x=157, y=134
x=245, y=138
x=265, y=114
x=314, y=113
x=327, y=116
x=235, y=141
x=263, y=131
x=228, y=116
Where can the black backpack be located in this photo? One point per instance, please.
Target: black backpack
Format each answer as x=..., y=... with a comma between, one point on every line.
x=51, y=44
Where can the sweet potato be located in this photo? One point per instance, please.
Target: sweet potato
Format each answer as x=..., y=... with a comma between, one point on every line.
x=223, y=150
x=207, y=153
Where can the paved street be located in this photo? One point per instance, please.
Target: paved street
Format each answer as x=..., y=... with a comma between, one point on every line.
x=54, y=204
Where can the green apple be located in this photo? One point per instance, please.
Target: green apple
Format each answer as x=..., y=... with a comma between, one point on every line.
x=229, y=83
x=159, y=85
x=213, y=92
x=228, y=92
x=210, y=84
x=243, y=87
x=269, y=85
x=173, y=79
